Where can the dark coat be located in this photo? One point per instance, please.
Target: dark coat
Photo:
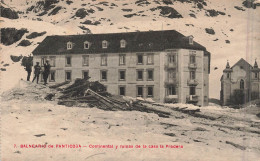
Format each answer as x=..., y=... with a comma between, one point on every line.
x=28, y=67
x=37, y=69
x=47, y=69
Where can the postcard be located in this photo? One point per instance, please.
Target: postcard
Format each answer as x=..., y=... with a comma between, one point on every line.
x=145, y=80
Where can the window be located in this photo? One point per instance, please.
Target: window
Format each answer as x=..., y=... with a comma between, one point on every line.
x=171, y=59
x=43, y=60
x=191, y=40
x=68, y=61
x=150, y=74
x=256, y=75
x=68, y=75
x=150, y=59
x=69, y=45
x=192, y=56
x=192, y=59
x=192, y=75
x=122, y=90
x=52, y=76
x=140, y=91
x=85, y=60
x=171, y=90
x=242, y=84
x=86, y=45
x=121, y=75
x=122, y=44
x=140, y=59
x=103, y=75
x=150, y=91
x=104, y=44
x=122, y=59
x=228, y=75
x=103, y=60
x=52, y=61
x=139, y=74
x=192, y=90
x=85, y=74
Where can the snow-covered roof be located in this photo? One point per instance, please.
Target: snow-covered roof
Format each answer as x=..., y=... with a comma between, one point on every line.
x=135, y=42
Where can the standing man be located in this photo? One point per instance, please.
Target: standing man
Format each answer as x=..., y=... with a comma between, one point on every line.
x=37, y=71
x=46, y=72
x=28, y=68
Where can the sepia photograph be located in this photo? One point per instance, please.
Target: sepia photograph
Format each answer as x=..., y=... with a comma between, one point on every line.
x=130, y=80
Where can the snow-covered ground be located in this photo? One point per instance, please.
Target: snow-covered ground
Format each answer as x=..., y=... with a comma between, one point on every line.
x=26, y=114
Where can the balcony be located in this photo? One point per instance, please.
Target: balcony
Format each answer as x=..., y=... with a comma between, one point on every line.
x=170, y=81
x=171, y=99
x=192, y=82
x=192, y=66
x=171, y=66
x=192, y=99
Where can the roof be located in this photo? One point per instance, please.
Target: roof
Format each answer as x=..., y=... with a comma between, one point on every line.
x=245, y=64
x=135, y=42
x=242, y=62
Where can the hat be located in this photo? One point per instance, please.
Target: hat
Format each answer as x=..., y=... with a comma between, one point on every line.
x=37, y=62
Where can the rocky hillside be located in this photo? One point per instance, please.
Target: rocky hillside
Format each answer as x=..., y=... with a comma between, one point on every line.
x=228, y=29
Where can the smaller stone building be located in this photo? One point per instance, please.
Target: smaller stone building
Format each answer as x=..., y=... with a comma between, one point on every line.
x=240, y=83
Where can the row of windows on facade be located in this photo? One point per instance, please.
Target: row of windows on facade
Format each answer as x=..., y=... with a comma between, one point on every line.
x=172, y=74
x=87, y=44
x=255, y=75
x=171, y=90
x=85, y=60
x=104, y=75
x=242, y=84
x=122, y=89
x=139, y=91
x=105, y=44
x=122, y=59
x=122, y=75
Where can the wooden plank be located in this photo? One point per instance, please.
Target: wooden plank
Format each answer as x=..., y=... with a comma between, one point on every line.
x=98, y=95
x=68, y=95
x=59, y=84
x=76, y=88
x=104, y=100
x=84, y=97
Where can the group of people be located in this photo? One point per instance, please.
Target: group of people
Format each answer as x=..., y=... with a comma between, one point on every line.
x=38, y=71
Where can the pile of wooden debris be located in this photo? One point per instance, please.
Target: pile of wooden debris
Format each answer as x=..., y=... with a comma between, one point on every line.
x=84, y=93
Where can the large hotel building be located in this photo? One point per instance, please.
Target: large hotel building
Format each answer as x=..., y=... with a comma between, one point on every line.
x=163, y=65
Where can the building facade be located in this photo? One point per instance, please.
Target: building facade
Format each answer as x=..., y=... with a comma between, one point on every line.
x=163, y=65
x=240, y=83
